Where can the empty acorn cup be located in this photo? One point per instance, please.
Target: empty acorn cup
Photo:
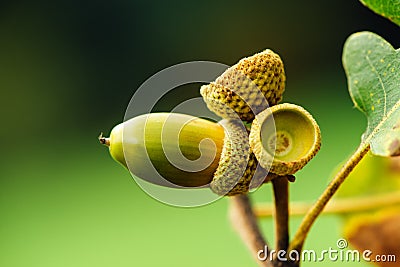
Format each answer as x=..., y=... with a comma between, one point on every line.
x=285, y=138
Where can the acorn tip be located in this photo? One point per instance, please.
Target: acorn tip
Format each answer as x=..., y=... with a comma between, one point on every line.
x=104, y=140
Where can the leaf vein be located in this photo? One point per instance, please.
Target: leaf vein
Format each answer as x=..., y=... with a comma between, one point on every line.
x=384, y=119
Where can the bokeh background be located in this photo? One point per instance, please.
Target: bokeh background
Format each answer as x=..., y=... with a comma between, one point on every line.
x=68, y=71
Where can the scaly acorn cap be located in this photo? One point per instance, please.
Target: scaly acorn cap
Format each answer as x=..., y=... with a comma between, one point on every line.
x=248, y=87
x=290, y=144
x=237, y=170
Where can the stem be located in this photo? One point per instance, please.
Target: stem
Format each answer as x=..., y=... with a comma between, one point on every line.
x=245, y=223
x=301, y=234
x=104, y=140
x=341, y=206
x=281, y=195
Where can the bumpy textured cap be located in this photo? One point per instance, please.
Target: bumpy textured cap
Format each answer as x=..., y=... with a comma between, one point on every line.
x=225, y=103
x=248, y=87
x=285, y=137
x=238, y=169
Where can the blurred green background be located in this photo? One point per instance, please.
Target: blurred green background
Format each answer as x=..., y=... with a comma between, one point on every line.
x=68, y=71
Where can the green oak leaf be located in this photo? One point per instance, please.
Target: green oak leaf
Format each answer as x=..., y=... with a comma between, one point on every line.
x=386, y=8
x=372, y=67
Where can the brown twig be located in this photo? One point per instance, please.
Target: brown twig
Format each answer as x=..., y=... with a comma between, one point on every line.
x=245, y=223
x=281, y=214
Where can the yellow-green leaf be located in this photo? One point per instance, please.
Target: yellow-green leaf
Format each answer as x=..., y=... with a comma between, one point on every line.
x=373, y=176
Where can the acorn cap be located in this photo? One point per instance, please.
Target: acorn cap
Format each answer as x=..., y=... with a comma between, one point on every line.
x=248, y=87
x=285, y=137
x=237, y=170
x=225, y=103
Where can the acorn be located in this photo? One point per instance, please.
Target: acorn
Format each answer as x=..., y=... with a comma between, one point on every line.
x=285, y=138
x=177, y=150
x=248, y=87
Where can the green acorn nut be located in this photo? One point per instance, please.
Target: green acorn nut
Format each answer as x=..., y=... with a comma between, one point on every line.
x=177, y=150
x=162, y=148
x=285, y=137
x=247, y=88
